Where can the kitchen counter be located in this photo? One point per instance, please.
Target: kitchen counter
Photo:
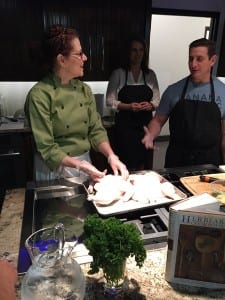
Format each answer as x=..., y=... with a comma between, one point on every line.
x=13, y=126
x=10, y=124
x=145, y=283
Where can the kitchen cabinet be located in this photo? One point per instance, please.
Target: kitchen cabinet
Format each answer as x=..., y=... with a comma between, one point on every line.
x=117, y=21
x=20, y=33
x=103, y=25
x=16, y=159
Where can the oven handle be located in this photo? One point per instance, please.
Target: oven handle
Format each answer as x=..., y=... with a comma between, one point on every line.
x=10, y=154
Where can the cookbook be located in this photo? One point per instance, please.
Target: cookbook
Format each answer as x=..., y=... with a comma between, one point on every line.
x=196, y=243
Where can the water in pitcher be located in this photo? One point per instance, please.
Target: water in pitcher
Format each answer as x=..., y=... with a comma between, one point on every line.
x=53, y=275
x=53, y=279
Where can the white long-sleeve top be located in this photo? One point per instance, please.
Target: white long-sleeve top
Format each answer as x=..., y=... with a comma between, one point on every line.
x=117, y=81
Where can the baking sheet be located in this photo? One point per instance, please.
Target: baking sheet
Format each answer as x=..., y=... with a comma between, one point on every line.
x=196, y=187
x=120, y=206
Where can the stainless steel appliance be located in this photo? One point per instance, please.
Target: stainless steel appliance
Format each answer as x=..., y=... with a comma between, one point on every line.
x=52, y=203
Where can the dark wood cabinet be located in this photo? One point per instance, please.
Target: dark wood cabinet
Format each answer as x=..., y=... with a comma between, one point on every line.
x=221, y=63
x=104, y=26
x=116, y=22
x=20, y=33
x=16, y=159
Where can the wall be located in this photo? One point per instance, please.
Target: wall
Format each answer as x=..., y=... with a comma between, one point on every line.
x=14, y=94
x=199, y=5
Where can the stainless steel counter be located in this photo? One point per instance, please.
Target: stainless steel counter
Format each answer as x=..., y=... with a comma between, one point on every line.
x=145, y=283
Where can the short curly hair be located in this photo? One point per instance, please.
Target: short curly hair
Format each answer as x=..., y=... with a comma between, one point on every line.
x=57, y=40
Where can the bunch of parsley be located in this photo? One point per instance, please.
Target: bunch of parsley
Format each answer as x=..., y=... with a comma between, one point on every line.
x=110, y=242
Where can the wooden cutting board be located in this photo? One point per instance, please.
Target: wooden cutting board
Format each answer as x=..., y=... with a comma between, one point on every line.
x=196, y=187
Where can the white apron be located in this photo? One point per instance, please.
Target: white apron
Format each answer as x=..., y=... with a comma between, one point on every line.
x=43, y=173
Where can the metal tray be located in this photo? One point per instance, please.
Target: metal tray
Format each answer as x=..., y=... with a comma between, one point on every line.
x=120, y=207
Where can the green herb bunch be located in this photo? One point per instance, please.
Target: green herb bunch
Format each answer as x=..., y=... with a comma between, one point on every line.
x=110, y=242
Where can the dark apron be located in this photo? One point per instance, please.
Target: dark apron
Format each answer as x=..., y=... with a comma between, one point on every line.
x=195, y=132
x=129, y=128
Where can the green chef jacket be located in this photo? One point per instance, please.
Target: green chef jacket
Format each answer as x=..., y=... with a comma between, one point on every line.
x=63, y=119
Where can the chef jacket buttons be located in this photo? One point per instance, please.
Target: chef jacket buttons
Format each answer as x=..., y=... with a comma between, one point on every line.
x=67, y=126
x=85, y=122
x=81, y=104
x=62, y=106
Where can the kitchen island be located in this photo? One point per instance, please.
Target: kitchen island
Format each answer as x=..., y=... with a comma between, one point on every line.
x=145, y=283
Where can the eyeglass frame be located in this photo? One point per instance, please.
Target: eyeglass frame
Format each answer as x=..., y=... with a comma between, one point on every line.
x=80, y=54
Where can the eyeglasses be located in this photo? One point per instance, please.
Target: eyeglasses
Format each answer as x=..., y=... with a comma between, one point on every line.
x=80, y=54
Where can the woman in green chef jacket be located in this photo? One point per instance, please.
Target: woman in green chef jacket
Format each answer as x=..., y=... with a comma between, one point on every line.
x=62, y=114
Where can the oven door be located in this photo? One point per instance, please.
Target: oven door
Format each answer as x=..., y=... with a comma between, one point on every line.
x=11, y=173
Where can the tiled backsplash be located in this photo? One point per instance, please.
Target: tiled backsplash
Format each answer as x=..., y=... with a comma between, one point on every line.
x=14, y=94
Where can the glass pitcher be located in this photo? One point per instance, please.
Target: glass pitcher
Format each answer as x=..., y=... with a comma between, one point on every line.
x=54, y=274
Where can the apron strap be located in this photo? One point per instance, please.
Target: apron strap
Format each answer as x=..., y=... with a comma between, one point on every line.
x=126, y=76
x=144, y=77
x=212, y=90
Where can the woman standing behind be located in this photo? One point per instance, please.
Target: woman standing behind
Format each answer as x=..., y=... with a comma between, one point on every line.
x=61, y=110
x=134, y=94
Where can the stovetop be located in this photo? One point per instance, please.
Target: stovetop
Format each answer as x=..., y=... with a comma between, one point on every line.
x=152, y=223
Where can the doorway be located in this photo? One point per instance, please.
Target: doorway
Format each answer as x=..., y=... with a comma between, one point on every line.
x=171, y=33
x=170, y=36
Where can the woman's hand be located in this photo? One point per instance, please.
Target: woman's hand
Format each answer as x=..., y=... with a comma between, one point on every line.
x=134, y=106
x=145, y=105
x=89, y=169
x=140, y=106
x=117, y=166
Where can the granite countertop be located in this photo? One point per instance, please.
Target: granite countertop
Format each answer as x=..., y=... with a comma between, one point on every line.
x=142, y=284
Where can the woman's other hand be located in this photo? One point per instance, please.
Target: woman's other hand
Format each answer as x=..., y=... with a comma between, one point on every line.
x=145, y=105
x=117, y=166
x=135, y=106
